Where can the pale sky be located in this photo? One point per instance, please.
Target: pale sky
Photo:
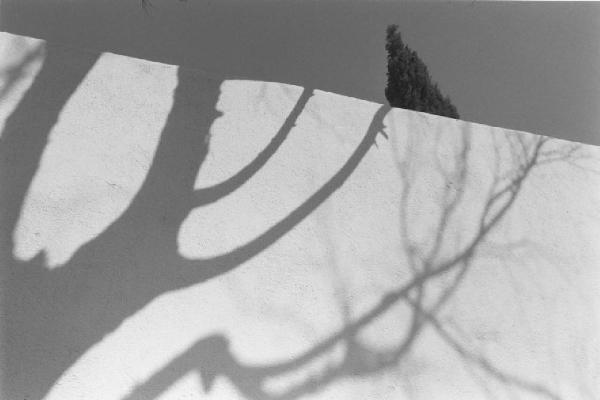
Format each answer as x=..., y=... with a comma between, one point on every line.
x=526, y=66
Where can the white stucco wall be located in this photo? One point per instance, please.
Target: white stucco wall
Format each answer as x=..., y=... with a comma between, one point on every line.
x=165, y=234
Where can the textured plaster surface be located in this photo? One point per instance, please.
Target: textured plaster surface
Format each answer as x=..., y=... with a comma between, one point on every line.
x=165, y=234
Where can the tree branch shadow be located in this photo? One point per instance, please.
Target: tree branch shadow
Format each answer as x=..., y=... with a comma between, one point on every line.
x=211, y=357
x=54, y=316
x=216, y=192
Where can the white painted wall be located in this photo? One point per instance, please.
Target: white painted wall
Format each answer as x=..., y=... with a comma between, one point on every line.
x=165, y=234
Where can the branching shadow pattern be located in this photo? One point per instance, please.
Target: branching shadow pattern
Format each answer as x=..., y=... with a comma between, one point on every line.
x=430, y=265
x=52, y=317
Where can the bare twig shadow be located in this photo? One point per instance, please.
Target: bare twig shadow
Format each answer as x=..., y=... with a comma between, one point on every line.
x=211, y=357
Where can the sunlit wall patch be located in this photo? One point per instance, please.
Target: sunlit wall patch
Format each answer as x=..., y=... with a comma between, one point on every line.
x=96, y=156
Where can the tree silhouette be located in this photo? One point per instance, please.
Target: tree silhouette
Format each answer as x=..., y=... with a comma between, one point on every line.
x=408, y=82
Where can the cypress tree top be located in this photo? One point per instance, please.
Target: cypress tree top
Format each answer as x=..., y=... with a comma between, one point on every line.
x=408, y=82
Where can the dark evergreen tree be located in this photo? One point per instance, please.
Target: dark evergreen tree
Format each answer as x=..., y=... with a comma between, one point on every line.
x=408, y=82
